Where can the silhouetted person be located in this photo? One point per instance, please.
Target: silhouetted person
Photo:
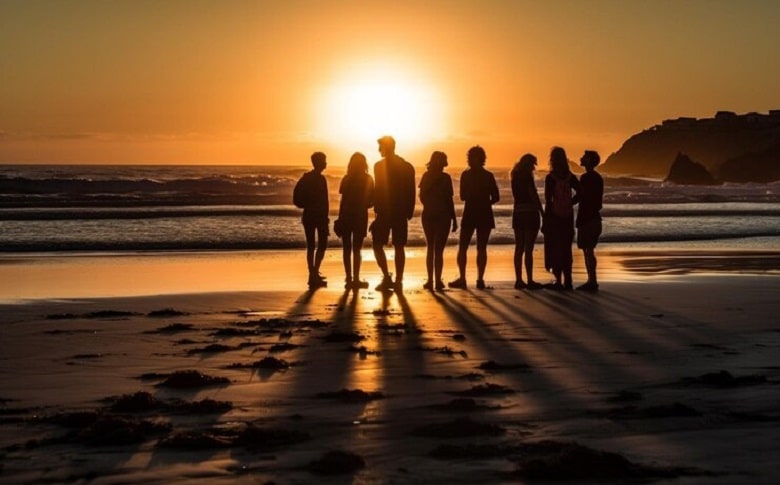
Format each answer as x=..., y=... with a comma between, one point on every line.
x=559, y=218
x=438, y=216
x=357, y=195
x=589, y=216
x=526, y=219
x=394, y=199
x=311, y=194
x=478, y=191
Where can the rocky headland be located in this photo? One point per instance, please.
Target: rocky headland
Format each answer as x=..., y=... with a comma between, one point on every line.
x=730, y=147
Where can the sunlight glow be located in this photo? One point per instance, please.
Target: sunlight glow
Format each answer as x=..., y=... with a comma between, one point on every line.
x=359, y=108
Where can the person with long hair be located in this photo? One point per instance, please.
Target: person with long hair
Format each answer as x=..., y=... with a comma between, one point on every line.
x=438, y=216
x=357, y=196
x=526, y=219
x=479, y=191
x=558, y=226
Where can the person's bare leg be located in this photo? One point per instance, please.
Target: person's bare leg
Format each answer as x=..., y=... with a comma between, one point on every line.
x=357, y=258
x=430, y=242
x=438, y=264
x=400, y=263
x=518, y=256
x=381, y=259
x=346, y=256
x=529, y=260
x=482, y=242
x=463, y=246
x=322, y=245
x=310, y=243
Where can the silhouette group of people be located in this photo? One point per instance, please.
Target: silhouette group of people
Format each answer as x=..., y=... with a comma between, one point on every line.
x=392, y=194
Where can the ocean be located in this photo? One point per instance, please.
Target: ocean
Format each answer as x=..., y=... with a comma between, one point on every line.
x=66, y=208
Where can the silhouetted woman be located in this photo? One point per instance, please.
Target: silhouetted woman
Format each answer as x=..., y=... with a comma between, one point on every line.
x=526, y=219
x=479, y=191
x=357, y=195
x=559, y=218
x=438, y=216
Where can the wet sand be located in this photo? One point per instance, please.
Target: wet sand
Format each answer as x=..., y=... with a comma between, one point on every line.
x=197, y=368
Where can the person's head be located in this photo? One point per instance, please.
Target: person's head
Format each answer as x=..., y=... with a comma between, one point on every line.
x=559, y=163
x=386, y=146
x=527, y=163
x=438, y=161
x=476, y=156
x=318, y=161
x=357, y=164
x=590, y=159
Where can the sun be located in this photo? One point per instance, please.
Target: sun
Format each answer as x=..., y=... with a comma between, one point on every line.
x=360, y=107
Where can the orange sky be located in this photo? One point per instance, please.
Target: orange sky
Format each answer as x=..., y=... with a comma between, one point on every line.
x=267, y=82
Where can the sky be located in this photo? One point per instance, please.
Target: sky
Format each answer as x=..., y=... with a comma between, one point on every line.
x=268, y=82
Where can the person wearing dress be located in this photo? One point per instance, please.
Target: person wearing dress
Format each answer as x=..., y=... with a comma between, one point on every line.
x=558, y=225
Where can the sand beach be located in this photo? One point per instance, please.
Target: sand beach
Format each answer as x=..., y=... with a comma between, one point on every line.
x=221, y=367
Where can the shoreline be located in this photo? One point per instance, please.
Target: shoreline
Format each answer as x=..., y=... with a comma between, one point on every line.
x=31, y=276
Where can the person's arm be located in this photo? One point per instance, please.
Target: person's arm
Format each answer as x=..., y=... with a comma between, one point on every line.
x=369, y=192
x=575, y=184
x=451, y=206
x=534, y=195
x=494, y=194
x=600, y=192
x=412, y=198
x=548, y=191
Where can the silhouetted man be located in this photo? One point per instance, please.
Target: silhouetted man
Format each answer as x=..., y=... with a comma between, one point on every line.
x=589, y=216
x=394, y=198
x=311, y=194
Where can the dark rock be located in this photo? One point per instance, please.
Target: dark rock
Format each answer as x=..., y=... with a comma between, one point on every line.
x=723, y=379
x=211, y=349
x=485, y=390
x=687, y=172
x=352, y=395
x=462, y=405
x=752, y=140
x=139, y=402
x=566, y=461
x=193, y=440
x=336, y=463
x=166, y=313
x=192, y=379
x=173, y=328
x=344, y=337
x=496, y=367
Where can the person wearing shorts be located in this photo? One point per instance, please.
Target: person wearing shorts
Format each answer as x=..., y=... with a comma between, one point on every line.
x=526, y=220
x=394, y=200
x=311, y=194
x=479, y=191
x=589, y=216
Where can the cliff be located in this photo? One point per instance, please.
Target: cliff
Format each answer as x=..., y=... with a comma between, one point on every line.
x=750, y=143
